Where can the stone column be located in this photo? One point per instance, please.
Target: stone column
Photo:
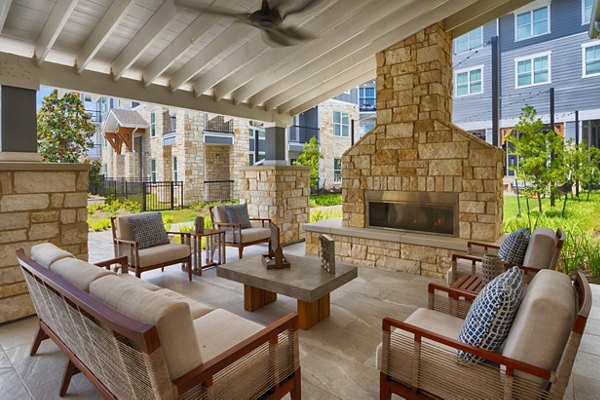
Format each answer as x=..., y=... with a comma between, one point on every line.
x=39, y=202
x=280, y=193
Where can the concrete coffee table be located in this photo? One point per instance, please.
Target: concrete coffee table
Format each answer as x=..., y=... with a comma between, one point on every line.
x=305, y=281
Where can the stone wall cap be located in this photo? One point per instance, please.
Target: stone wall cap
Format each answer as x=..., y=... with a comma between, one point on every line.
x=274, y=167
x=334, y=226
x=42, y=166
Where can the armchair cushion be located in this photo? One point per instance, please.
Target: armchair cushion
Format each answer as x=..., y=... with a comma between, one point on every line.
x=46, y=253
x=540, y=250
x=163, y=253
x=148, y=230
x=248, y=235
x=512, y=250
x=218, y=214
x=542, y=325
x=238, y=214
x=490, y=317
x=78, y=272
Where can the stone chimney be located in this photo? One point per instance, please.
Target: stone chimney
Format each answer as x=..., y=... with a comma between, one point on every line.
x=416, y=148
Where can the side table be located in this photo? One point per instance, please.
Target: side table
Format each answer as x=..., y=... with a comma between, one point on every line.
x=469, y=283
x=215, y=243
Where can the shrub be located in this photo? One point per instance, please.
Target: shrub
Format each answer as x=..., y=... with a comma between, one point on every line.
x=325, y=200
x=100, y=224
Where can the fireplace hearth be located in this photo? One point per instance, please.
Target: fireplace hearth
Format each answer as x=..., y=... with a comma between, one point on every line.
x=419, y=212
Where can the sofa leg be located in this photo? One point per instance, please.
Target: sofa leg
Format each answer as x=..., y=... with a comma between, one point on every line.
x=296, y=393
x=70, y=370
x=39, y=338
x=189, y=270
x=240, y=252
x=384, y=387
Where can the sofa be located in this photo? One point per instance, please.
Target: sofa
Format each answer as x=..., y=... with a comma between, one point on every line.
x=422, y=357
x=133, y=339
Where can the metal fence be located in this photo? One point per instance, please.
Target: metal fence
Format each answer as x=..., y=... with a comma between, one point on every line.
x=153, y=196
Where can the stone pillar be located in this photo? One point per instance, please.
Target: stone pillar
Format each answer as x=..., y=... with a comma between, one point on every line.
x=280, y=193
x=39, y=202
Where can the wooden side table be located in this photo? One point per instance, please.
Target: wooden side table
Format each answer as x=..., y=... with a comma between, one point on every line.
x=469, y=283
x=215, y=243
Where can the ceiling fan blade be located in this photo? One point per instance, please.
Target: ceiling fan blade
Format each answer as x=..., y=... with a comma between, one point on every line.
x=304, y=6
x=294, y=33
x=275, y=38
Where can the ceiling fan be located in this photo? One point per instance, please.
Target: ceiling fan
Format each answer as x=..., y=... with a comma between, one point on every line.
x=269, y=19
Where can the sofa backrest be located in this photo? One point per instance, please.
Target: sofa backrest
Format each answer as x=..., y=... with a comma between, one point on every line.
x=541, y=248
x=46, y=253
x=121, y=228
x=217, y=213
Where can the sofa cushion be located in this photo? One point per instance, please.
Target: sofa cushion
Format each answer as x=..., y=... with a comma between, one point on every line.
x=197, y=309
x=248, y=235
x=490, y=317
x=140, y=282
x=213, y=339
x=47, y=253
x=540, y=250
x=148, y=230
x=163, y=253
x=238, y=214
x=544, y=321
x=513, y=248
x=171, y=317
x=78, y=272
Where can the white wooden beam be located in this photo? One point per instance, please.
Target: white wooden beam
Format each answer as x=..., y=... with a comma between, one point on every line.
x=414, y=25
x=297, y=99
x=56, y=21
x=355, y=81
x=370, y=15
x=182, y=43
x=480, y=13
x=317, y=27
x=143, y=39
x=101, y=32
x=212, y=50
x=4, y=7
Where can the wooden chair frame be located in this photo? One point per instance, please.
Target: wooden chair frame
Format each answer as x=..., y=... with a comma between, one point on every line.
x=145, y=337
x=237, y=229
x=131, y=248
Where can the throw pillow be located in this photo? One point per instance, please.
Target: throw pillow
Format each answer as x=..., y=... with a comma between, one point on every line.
x=490, y=317
x=513, y=249
x=238, y=214
x=148, y=230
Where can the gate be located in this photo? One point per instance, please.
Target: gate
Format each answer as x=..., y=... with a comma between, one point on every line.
x=158, y=196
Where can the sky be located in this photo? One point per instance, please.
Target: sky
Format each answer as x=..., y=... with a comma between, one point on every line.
x=44, y=91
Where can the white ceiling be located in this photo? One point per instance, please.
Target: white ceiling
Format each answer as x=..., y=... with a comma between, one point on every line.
x=159, y=51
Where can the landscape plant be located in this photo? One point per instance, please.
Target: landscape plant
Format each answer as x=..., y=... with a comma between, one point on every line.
x=310, y=157
x=64, y=128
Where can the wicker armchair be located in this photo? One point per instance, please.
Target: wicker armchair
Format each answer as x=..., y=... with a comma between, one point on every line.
x=147, y=259
x=543, y=252
x=235, y=235
x=417, y=358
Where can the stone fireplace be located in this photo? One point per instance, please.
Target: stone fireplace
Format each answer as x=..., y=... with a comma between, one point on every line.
x=413, y=155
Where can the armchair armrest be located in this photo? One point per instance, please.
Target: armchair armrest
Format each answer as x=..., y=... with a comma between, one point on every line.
x=486, y=246
x=204, y=374
x=122, y=261
x=262, y=220
x=184, y=237
x=128, y=247
x=453, y=301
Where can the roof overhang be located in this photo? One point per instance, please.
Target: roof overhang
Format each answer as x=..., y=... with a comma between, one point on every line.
x=163, y=53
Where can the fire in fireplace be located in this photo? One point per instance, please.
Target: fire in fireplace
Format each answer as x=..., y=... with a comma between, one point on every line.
x=423, y=212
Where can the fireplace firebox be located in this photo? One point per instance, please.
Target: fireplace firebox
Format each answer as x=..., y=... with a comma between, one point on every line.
x=420, y=212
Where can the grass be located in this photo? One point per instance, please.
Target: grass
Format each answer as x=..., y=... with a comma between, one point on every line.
x=325, y=200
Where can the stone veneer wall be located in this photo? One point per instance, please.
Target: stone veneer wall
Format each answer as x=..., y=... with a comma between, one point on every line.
x=415, y=147
x=333, y=146
x=217, y=166
x=39, y=203
x=280, y=193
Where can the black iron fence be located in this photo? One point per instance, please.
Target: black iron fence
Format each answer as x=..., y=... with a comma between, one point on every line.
x=153, y=196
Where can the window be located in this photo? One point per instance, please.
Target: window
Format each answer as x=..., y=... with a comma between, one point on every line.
x=341, y=124
x=175, y=177
x=533, y=71
x=152, y=124
x=337, y=170
x=469, y=81
x=366, y=98
x=591, y=60
x=153, y=170
x=586, y=11
x=134, y=104
x=173, y=123
x=532, y=23
x=469, y=41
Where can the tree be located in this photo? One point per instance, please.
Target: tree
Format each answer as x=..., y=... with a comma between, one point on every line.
x=64, y=129
x=310, y=157
x=534, y=146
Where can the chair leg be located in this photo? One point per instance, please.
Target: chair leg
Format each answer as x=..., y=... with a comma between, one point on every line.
x=39, y=337
x=189, y=270
x=70, y=370
x=384, y=387
x=240, y=251
x=138, y=273
x=296, y=393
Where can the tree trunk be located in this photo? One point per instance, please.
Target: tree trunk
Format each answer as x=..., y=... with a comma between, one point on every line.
x=539, y=196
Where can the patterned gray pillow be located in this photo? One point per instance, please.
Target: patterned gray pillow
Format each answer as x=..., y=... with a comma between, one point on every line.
x=148, y=230
x=513, y=249
x=238, y=214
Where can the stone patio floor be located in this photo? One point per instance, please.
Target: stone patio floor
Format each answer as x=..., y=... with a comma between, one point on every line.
x=337, y=355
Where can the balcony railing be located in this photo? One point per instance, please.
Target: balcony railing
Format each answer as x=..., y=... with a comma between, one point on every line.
x=302, y=134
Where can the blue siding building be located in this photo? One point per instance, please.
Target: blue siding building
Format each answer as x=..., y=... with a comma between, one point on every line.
x=542, y=45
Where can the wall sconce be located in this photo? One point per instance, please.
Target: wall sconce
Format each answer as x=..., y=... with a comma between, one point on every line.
x=217, y=156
